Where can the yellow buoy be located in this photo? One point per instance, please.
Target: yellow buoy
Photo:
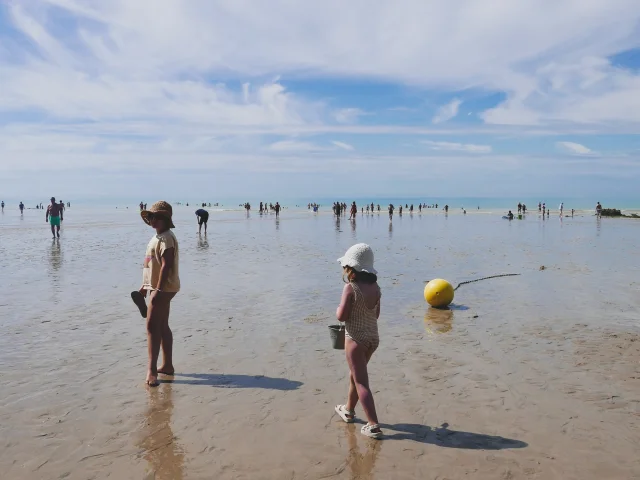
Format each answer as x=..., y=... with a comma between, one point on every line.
x=438, y=293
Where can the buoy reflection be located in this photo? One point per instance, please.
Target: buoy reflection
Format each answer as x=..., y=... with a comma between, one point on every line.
x=438, y=320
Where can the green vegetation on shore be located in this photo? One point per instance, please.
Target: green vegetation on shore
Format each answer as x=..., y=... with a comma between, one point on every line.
x=612, y=212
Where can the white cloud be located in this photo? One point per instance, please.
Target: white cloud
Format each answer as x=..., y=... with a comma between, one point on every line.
x=298, y=146
x=574, y=148
x=348, y=115
x=295, y=146
x=119, y=82
x=447, y=112
x=117, y=60
x=589, y=90
x=402, y=109
x=457, y=147
x=342, y=145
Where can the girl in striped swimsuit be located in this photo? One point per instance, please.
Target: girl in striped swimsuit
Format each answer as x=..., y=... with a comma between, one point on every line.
x=360, y=309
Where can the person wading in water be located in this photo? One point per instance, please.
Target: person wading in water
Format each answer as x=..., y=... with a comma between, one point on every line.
x=54, y=217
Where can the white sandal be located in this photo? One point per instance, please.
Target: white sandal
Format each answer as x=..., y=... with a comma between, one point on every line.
x=346, y=415
x=369, y=428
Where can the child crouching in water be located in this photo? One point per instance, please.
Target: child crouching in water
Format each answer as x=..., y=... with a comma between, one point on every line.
x=360, y=308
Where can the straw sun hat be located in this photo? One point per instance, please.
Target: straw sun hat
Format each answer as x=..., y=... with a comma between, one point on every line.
x=162, y=209
x=360, y=258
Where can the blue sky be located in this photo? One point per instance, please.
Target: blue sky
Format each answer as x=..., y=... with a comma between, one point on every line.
x=319, y=98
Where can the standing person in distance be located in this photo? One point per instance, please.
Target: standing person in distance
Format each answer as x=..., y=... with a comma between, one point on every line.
x=203, y=218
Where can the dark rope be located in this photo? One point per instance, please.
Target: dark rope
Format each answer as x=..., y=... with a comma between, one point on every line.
x=486, y=278
x=483, y=278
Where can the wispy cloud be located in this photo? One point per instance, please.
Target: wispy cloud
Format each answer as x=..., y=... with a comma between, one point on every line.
x=299, y=146
x=110, y=50
x=104, y=82
x=457, y=147
x=586, y=90
x=343, y=145
x=348, y=115
x=575, y=148
x=295, y=146
x=447, y=112
x=402, y=109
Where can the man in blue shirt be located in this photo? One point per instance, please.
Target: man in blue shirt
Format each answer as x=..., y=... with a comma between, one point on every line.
x=203, y=218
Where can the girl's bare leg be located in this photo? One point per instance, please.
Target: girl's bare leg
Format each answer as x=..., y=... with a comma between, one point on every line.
x=167, y=347
x=352, y=397
x=357, y=358
x=157, y=318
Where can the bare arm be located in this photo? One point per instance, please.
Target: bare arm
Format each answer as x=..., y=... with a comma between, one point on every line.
x=346, y=303
x=167, y=264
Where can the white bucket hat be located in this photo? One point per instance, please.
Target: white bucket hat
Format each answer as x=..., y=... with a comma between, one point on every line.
x=360, y=258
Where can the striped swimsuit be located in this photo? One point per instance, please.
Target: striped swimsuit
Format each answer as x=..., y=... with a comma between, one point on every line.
x=362, y=325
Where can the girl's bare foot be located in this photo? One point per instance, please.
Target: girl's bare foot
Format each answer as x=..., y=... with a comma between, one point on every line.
x=166, y=370
x=152, y=380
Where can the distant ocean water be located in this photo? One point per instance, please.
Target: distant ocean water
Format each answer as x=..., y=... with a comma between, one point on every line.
x=468, y=203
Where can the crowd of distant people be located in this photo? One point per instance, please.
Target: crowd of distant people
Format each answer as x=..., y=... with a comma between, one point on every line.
x=546, y=212
x=340, y=209
x=265, y=208
x=39, y=206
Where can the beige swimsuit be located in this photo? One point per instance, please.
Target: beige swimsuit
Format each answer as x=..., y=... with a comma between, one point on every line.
x=362, y=325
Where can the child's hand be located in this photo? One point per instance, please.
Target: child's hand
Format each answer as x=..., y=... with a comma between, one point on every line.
x=143, y=291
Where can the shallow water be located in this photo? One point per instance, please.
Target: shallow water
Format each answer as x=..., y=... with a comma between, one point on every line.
x=521, y=369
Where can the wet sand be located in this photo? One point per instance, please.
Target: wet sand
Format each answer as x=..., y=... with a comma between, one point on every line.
x=535, y=376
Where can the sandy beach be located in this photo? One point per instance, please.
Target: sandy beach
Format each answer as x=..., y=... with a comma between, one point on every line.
x=529, y=377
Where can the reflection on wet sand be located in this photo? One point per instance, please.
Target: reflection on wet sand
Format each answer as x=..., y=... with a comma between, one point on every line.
x=361, y=465
x=203, y=244
x=159, y=446
x=55, y=256
x=438, y=320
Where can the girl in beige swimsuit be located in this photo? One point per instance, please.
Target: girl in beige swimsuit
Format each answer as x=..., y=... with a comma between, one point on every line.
x=360, y=308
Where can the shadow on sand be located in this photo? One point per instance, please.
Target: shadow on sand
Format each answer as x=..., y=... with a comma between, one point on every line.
x=443, y=437
x=455, y=306
x=232, y=381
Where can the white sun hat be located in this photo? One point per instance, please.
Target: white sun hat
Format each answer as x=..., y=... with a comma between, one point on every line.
x=360, y=258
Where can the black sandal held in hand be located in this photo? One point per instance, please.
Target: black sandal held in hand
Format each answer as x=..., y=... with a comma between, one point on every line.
x=140, y=302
